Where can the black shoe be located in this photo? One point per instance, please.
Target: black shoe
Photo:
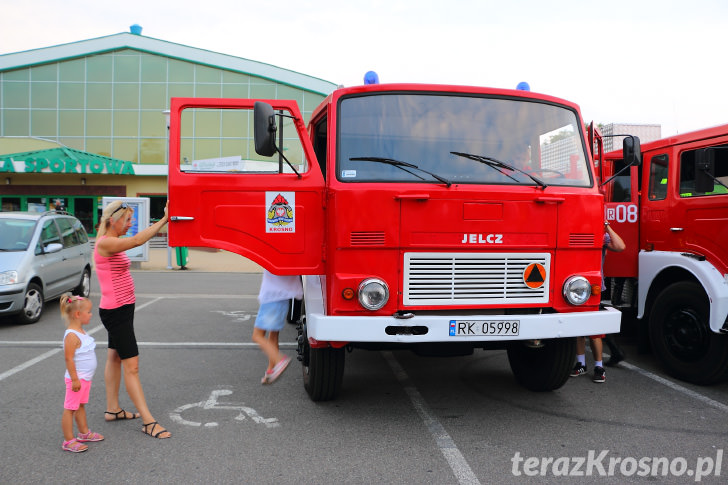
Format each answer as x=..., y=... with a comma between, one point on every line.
x=599, y=374
x=615, y=358
x=578, y=370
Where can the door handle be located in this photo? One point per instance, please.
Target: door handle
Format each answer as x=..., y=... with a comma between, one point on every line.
x=676, y=229
x=181, y=218
x=412, y=197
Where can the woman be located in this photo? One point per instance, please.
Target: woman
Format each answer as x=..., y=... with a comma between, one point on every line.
x=117, y=312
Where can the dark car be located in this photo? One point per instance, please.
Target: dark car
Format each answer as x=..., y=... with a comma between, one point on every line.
x=42, y=256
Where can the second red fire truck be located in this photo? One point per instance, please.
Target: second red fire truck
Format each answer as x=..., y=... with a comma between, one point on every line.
x=436, y=218
x=672, y=212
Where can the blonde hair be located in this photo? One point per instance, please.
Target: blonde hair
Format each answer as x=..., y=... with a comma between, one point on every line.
x=69, y=304
x=110, y=215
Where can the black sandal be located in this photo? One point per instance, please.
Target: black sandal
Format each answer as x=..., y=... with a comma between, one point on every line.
x=154, y=424
x=122, y=416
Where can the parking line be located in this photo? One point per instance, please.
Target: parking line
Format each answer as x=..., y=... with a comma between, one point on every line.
x=50, y=353
x=445, y=443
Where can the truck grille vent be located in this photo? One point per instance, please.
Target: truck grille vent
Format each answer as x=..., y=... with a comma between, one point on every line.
x=366, y=238
x=442, y=279
x=581, y=240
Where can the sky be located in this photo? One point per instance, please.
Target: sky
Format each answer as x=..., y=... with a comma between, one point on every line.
x=623, y=61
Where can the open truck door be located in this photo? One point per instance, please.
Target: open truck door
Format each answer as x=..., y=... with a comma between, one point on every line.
x=224, y=194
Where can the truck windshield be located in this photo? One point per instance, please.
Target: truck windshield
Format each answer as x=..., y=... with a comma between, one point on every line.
x=450, y=135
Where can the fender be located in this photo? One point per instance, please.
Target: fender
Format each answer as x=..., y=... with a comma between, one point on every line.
x=652, y=263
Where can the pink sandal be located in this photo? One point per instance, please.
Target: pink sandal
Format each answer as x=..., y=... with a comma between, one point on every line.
x=90, y=436
x=278, y=369
x=74, y=446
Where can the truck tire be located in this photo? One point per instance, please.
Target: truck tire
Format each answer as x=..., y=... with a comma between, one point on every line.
x=681, y=337
x=544, y=368
x=323, y=370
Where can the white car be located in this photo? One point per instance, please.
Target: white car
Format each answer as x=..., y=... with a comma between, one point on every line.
x=42, y=256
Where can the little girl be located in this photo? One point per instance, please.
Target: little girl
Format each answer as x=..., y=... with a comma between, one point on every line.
x=79, y=350
x=275, y=294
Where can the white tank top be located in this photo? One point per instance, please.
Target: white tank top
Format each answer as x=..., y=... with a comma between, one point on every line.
x=85, y=356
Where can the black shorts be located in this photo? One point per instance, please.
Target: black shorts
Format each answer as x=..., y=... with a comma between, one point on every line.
x=119, y=322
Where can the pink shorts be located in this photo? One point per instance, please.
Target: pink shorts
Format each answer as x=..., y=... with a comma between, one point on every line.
x=75, y=399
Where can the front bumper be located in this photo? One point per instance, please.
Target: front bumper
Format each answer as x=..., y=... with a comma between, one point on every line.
x=428, y=328
x=12, y=298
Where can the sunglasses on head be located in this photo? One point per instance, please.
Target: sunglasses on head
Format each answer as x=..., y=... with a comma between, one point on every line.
x=123, y=205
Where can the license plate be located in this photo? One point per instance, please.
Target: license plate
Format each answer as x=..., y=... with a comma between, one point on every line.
x=503, y=328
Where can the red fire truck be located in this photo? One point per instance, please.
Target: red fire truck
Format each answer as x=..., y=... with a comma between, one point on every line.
x=436, y=218
x=672, y=212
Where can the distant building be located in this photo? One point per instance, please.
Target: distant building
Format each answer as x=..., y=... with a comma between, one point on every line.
x=85, y=120
x=645, y=133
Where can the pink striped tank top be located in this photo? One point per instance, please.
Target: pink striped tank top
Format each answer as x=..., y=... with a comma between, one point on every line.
x=117, y=285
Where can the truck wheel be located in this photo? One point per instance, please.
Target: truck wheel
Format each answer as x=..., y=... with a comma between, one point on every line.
x=544, y=368
x=32, y=304
x=681, y=337
x=323, y=370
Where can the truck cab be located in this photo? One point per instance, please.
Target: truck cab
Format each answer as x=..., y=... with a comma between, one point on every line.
x=672, y=212
x=420, y=216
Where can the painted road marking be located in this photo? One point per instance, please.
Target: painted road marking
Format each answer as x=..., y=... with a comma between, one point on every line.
x=211, y=403
x=445, y=443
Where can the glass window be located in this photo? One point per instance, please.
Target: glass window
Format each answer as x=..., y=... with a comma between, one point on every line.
x=621, y=184
x=99, y=68
x=154, y=96
x=17, y=75
x=234, y=90
x=263, y=91
x=320, y=143
x=465, y=138
x=10, y=204
x=16, y=94
x=207, y=151
x=181, y=72
x=50, y=234
x=126, y=149
x=235, y=77
x=658, y=177
x=154, y=69
x=204, y=74
x=70, y=122
x=16, y=122
x=43, y=123
x=81, y=235
x=126, y=96
x=207, y=90
x=126, y=123
x=153, y=150
x=98, y=95
x=47, y=72
x=71, y=95
x=180, y=90
x=126, y=66
x=688, y=169
x=98, y=123
x=153, y=123
x=74, y=70
x=15, y=234
x=68, y=233
x=43, y=94
x=100, y=146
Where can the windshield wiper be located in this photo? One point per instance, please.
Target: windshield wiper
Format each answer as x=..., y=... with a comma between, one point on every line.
x=401, y=165
x=498, y=165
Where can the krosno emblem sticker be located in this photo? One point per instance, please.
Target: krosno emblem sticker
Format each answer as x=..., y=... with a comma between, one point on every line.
x=534, y=275
x=281, y=213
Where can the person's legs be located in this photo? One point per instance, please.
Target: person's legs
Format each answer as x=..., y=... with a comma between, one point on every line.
x=133, y=385
x=616, y=355
x=268, y=345
x=67, y=424
x=81, y=422
x=112, y=381
x=596, y=346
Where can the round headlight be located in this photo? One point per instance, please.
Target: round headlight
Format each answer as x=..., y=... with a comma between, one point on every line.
x=373, y=293
x=577, y=290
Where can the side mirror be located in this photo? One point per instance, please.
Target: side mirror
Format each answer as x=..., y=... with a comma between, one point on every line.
x=264, y=129
x=632, y=151
x=704, y=170
x=53, y=248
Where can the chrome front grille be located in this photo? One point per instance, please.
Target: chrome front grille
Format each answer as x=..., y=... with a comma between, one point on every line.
x=443, y=279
